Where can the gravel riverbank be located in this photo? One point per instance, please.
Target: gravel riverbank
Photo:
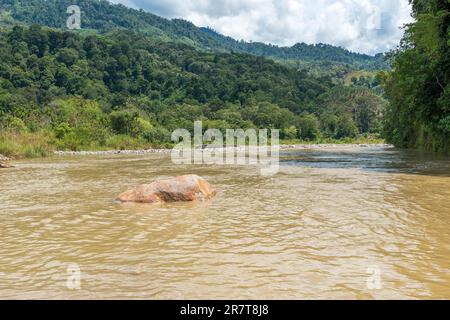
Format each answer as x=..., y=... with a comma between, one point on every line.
x=168, y=151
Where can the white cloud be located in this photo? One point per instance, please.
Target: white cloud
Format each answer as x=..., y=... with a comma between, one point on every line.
x=368, y=26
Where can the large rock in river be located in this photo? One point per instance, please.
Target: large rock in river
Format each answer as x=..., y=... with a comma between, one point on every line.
x=180, y=189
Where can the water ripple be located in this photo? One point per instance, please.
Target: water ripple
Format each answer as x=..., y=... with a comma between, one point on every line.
x=310, y=232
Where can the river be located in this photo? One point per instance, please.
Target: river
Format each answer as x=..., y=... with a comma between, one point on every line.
x=351, y=223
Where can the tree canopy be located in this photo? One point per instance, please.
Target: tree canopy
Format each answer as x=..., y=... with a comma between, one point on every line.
x=102, y=16
x=418, y=87
x=87, y=89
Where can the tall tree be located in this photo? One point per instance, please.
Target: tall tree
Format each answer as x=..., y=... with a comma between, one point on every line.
x=419, y=85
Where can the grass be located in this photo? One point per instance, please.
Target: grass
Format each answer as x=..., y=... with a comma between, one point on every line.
x=25, y=145
x=20, y=145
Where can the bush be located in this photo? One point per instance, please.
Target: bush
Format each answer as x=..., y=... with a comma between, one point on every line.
x=290, y=133
x=25, y=145
x=62, y=130
x=124, y=142
x=308, y=127
x=16, y=124
x=346, y=128
x=124, y=121
x=157, y=135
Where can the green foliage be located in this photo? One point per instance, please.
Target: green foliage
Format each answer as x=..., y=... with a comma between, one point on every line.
x=17, y=145
x=419, y=85
x=364, y=107
x=308, y=127
x=346, y=128
x=124, y=122
x=157, y=135
x=290, y=133
x=125, y=90
x=124, y=142
x=104, y=17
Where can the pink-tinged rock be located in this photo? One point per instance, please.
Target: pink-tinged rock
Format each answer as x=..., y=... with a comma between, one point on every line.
x=180, y=189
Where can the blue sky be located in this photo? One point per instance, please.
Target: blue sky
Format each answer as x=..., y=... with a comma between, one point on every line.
x=367, y=26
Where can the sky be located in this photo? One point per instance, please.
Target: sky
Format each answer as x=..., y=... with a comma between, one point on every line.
x=366, y=26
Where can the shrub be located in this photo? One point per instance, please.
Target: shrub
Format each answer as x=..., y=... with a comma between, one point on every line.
x=25, y=145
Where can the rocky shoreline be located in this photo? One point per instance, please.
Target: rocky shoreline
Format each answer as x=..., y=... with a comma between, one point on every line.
x=334, y=146
x=111, y=152
x=169, y=151
x=3, y=164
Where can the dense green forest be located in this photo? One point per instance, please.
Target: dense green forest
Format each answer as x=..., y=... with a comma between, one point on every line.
x=102, y=16
x=129, y=78
x=418, y=88
x=124, y=89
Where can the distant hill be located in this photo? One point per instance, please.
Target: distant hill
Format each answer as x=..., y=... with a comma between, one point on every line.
x=102, y=16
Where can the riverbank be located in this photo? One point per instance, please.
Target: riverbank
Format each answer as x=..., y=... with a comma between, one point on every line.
x=43, y=144
x=14, y=146
x=168, y=151
x=3, y=164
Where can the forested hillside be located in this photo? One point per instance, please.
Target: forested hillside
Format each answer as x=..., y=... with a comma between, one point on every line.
x=102, y=16
x=125, y=90
x=419, y=85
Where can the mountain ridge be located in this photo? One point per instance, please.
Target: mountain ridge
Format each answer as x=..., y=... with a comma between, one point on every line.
x=103, y=16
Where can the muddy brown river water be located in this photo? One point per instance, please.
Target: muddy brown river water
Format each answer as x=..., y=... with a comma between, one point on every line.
x=357, y=223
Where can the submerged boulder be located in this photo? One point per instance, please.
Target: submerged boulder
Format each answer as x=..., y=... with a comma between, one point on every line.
x=181, y=189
